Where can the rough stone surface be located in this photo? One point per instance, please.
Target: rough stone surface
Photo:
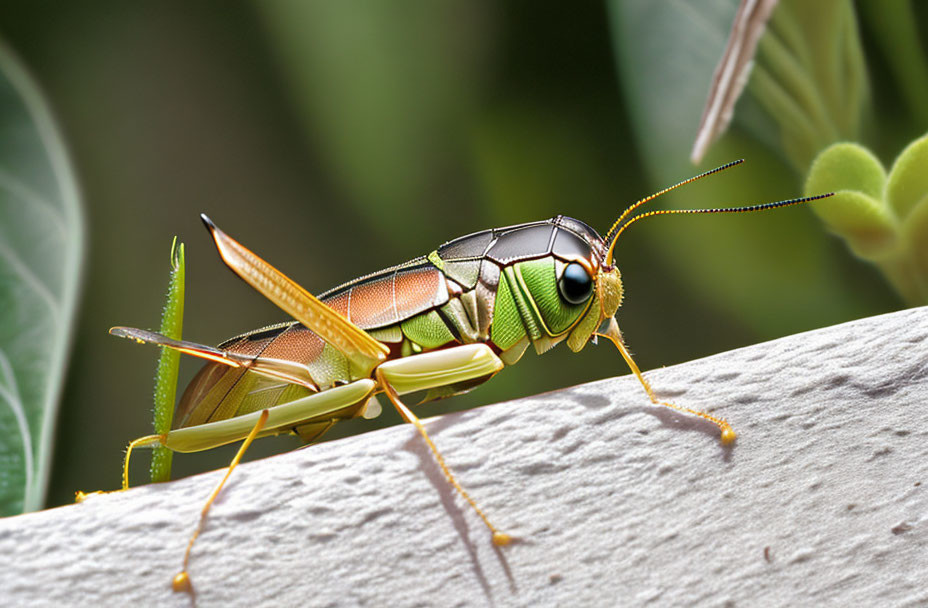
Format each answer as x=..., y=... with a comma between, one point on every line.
x=822, y=501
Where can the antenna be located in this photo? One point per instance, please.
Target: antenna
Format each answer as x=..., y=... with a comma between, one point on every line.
x=611, y=234
x=618, y=227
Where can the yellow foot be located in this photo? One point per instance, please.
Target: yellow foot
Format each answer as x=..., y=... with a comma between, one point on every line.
x=728, y=436
x=82, y=496
x=500, y=539
x=181, y=582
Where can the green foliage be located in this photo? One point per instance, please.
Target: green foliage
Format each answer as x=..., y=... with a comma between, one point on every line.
x=809, y=88
x=41, y=247
x=857, y=211
x=810, y=76
x=895, y=27
x=172, y=326
x=883, y=219
x=907, y=185
x=666, y=54
x=378, y=87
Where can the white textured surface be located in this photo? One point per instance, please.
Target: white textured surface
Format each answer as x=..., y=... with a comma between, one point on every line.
x=616, y=502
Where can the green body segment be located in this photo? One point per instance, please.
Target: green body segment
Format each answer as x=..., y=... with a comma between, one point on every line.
x=427, y=330
x=507, y=322
x=522, y=300
x=538, y=279
x=332, y=403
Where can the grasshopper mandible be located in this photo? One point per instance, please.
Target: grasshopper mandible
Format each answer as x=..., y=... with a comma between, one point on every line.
x=441, y=323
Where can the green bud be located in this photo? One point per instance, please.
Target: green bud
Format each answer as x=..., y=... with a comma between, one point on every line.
x=883, y=219
x=856, y=212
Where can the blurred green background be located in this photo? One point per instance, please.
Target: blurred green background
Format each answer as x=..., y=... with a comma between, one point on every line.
x=337, y=138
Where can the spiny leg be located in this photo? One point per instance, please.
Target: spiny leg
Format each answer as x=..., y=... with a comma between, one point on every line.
x=80, y=496
x=500, y=539
x=615, y=336
x=182, y=579
x=141, y=441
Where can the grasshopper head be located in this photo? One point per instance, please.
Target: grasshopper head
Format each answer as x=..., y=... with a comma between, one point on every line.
x=607, y=293
x=606, y=300
x=558, y=287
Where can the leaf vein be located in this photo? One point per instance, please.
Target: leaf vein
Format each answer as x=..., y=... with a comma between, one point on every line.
x=26, y=194
x=19, y=413
x=30, y=278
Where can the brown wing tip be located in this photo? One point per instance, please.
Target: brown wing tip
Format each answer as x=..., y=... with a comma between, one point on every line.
x=208, y=223
x=130, y=333
x=224, y=243
x=142, y=336
x=120, y=332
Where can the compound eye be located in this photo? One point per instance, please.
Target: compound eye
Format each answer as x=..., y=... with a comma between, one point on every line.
x=576, y=284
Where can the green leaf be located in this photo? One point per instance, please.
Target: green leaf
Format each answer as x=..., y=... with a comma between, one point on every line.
x=172, y=326
x=862, y=220
x=857, y=211
x=883, y=219
x=846, y=166
x=907, y=194
x=41, y=248
x=916, y=233
x=810, y=76
x=908, y=179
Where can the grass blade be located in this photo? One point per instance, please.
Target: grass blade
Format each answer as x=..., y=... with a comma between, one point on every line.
x=172, y=324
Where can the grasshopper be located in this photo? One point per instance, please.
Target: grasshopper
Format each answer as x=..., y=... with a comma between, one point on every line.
x=442, y=323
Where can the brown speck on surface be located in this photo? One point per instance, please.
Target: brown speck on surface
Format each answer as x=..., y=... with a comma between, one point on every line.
x=901, y=528
x=767, y=554
x=555, y=579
